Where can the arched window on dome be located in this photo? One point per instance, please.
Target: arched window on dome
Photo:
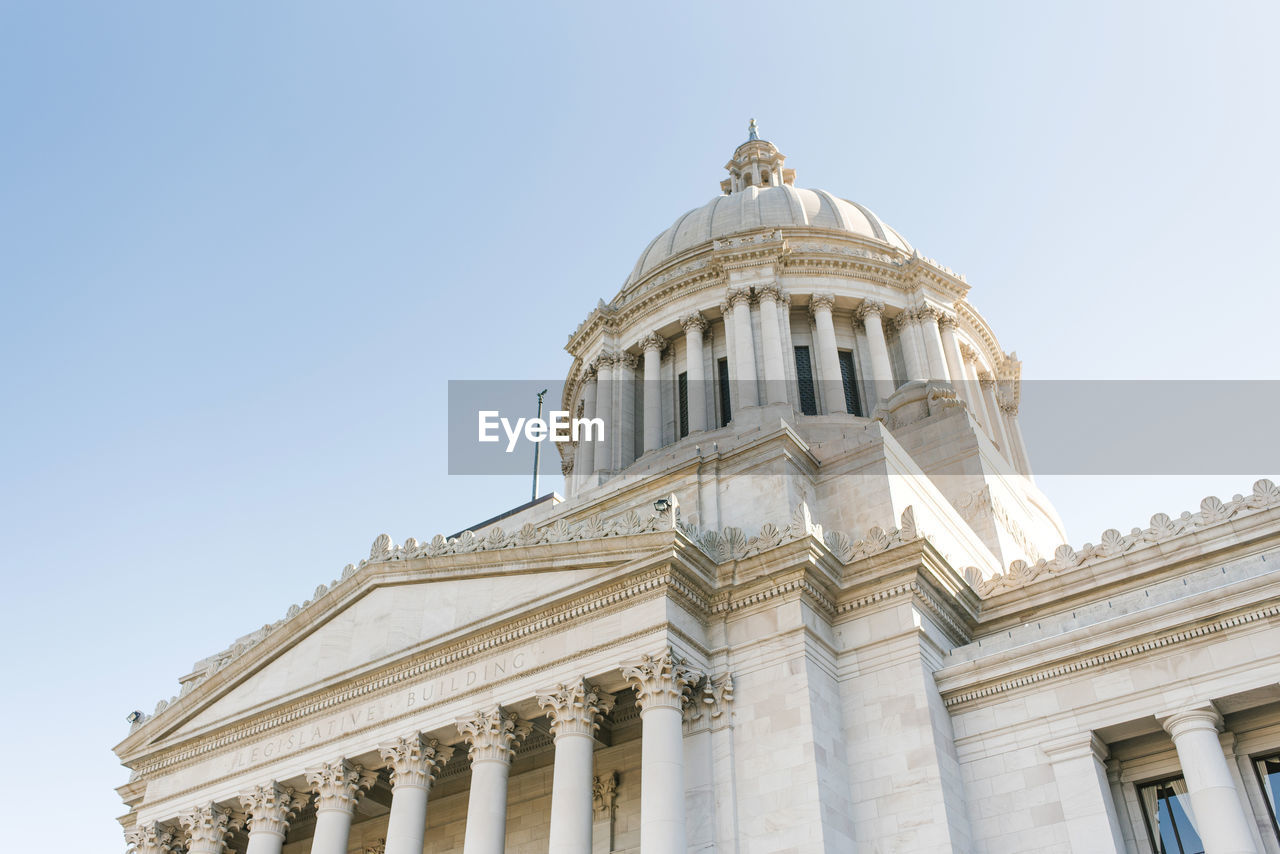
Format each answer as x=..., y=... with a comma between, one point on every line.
x=764, y=178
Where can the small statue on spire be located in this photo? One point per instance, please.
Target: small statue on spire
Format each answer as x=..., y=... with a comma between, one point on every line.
x=751, y=131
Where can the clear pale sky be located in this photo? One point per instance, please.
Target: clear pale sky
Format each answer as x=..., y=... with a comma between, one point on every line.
x=243, y=246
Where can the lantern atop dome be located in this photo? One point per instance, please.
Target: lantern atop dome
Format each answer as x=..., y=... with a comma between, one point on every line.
x=756, y=163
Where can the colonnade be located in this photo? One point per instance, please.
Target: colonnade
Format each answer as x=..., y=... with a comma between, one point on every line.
x=662, y=683
x=927, y=337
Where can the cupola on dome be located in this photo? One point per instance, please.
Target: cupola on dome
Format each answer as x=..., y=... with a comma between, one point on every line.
x=760, y=193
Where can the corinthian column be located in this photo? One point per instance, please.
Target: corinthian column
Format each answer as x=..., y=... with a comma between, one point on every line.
x=414, y=761
x=585, y=461
x=152, y=838
x=912, y=346
x=828, y=358
x=775, y=372
x=1220, y=818
x=207, y=827
x=652, y=346
x=270, y=809
x=337, y=786
x=745, y=392
x=574, y=709
x=951, y=353
x=493, y=736
x=694, y=325
x=871, y=313
x=927, y=317
x=661, y=683
x=603, y=454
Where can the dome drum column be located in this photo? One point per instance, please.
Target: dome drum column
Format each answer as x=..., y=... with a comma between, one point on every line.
x=912, y=346
x=744, y=392
x=775, y=377
x=831, y=385
x=604, y=409
x=652, y=346
x=871, y=313
x=694, y=325
x=585, y=461
x=927, y=318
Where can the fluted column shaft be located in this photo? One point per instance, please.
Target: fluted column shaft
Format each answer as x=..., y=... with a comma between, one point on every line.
x=652, y=345
x=661, y=683
x=951, y=352
x=775, y=376
x=574, y=709
x=744, y=351
x=694, y=325
x=912, y=346
x=414, y=761
x=585, y=464
x=828, y=355
x=872, y=314
x=1219, y=816
x=269, y=809
x=337, y=786
x=931, y=337
x=493, y=735
x=995, y=420
x=602, y=459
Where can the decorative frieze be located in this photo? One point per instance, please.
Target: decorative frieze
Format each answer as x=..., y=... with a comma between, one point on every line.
x=661, y=681
x=207, y=828
x=415, y=760
x=1213, y=511
x=494, y=734
x=575, y=707
x=270, y=808
x=338, y=785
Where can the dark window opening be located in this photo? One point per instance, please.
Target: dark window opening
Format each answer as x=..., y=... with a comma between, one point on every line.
x=1171, y=823
x=683, y=385
x=852, y=405
x=726, y=413
x=804, y=375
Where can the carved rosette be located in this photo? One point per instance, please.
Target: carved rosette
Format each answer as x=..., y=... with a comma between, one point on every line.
x=652, y=341
x=661, y=681
x=869, y=306
x=207, y=827
x=414, y=760
x=694, y=321
x=738, y=296
x=152, y=838
x=604, y=795
x=270, y=808
x=338, y=785
x=494, y=735
x=575, y=707
x=821, y=302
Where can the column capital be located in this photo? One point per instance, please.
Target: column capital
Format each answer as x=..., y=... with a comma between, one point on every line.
x=986, y=380
x=715, y=698
x=820, y=302
x=338, y=784
x=152, y=838
x=661, y=681
x=738, y=296
x=694, y=321
x=905, y=317
x=947, y=320
x=927, y=313
x=207, y=826
x=869, y=306
x=566, y=466
x=771, y=291
x=270, y=807
x=1008, y=407
x=589, y=371
x=414, y=760
x=626, y=360
x=968, y=353
x=1204, y=716
x=652, y=341
x=575, y=707
x=494, y=734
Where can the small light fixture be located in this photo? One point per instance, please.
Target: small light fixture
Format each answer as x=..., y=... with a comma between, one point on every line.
x=662, y=505
x=134, y=716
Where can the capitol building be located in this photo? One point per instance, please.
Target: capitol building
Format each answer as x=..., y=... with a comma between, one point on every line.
x=802, y=595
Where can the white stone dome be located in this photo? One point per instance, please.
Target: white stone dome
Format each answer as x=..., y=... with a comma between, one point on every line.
x=753, y=208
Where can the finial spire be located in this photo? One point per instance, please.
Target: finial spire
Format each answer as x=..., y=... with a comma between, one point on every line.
x=751, y=131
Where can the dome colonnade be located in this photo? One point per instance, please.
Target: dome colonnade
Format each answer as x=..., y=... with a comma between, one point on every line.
x=777, y=296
